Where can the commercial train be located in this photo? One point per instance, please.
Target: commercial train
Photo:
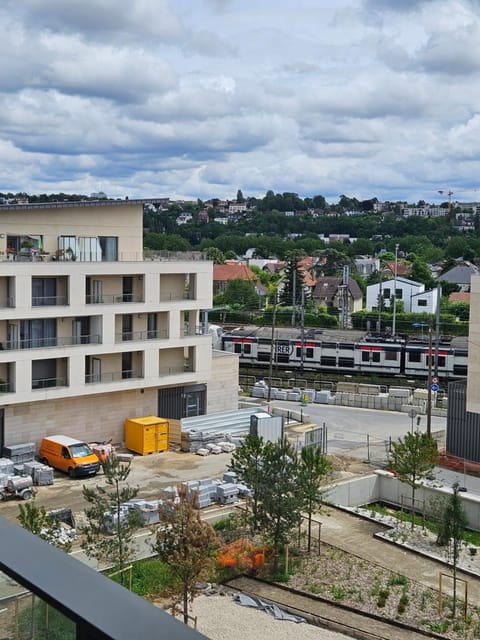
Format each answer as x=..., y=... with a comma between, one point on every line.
x=348, y=352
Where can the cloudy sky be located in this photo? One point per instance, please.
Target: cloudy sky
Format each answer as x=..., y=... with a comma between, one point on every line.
x=199, y=98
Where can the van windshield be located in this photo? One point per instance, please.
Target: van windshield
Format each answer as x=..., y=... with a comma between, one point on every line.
x=80, y=450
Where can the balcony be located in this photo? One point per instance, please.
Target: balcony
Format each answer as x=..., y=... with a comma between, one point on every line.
x=113, y=376
x=173, y=296
x=113, y=298
x=176, y=370
x=48, y=383
x=53, y=301
x=197, y=330
x=140, y=336
x=49, y=342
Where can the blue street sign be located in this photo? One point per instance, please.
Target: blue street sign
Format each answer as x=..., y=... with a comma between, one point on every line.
x=435, y=387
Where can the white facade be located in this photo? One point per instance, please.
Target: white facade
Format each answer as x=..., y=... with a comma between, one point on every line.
x=406, y=290
x=91, y=338
x=424, y=302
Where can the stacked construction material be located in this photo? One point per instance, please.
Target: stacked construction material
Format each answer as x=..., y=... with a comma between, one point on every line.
x=227, y=493
x=19, y=453
x=206, y=491
x=194, y=440
x=6, y=467
x=41, y=473
x=148, y=510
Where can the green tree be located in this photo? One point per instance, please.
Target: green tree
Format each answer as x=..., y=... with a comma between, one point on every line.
x=421, y=273
x=240, y=198
x=106, y=515
x=37, y=520
x=293, y=281
x=241, y=292
x=247, y=462
x=412, y=458
x=281, y=501
x=452, y=529
x=183, y=543
x=313, y=470
x=214, y=254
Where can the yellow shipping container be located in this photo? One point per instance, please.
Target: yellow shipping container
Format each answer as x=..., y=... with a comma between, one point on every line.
x=147, y=434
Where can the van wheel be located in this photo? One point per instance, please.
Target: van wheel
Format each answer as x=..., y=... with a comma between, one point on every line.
x=71, y=472
x=45, y=462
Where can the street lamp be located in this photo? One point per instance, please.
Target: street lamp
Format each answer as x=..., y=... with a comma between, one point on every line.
x=395, y=292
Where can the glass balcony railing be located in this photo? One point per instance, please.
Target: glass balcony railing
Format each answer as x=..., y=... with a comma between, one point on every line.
x=134, y=336
x=114, y=298
x=175, y=370
x=49, y=301
x=113, y=376
x=197, y=330
x=48, y=383
x=43, y=343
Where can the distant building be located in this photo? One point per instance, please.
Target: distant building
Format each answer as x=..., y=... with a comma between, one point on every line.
x=460, y=275
x=413, y=295
x=329, y=291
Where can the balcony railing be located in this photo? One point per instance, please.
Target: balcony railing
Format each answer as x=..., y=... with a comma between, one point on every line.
x=48, y=383
x=8, y=302
x=6, y=387
x=125, y=336
x=114, y=298
x=197, y=330
x=113, y=376
x=173, y=296
x=175, y=370
x=45, y=301
x=43, y=343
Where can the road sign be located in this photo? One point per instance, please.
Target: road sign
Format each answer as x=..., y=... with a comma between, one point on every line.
x=434, y=380
x=435, y=387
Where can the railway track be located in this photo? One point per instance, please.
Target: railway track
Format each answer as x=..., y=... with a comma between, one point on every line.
x=326, y=614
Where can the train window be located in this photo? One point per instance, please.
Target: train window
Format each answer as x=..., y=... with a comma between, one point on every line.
x=414, y=356
x=346, y=362
x=263, y=357
x=440, y=361
x=376, y=356
x=247, y=348
x=237, y=348
x=329, y=345
x=307, y=352
x=263, y=341
x=390, y=355
x=365, y=356
x=346, y=345
x=328, y=361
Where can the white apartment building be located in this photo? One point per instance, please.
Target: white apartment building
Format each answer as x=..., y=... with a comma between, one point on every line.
x=473, y=388
x=91, y=333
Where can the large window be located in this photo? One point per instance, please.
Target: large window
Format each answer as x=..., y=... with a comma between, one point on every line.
x=44, y=291
x=109, y=246
x=38, y=333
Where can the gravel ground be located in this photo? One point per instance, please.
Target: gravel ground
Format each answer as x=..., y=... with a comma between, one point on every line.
x=221, y=618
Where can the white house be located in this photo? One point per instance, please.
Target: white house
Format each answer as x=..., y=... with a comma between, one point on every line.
x=413, y=295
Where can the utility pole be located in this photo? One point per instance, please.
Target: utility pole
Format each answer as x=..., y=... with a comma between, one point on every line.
x=302, y=329
x=395, y=293
x=429, y=383
x=437, y=330
x=272, y=347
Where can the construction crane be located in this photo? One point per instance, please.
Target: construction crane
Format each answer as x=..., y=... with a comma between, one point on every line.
x=449, y=193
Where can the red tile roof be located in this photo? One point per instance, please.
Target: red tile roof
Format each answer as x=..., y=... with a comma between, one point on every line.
x=459, y=296
x=225, y=272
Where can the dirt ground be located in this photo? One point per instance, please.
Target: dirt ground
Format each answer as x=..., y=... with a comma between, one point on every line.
x=150, y=474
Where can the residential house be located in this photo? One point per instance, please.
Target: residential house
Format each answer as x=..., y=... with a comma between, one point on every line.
x=224, y=273
x=92, y=333
x=329, y=291
x=366, y=265
x=413, y=295
x=460, y=275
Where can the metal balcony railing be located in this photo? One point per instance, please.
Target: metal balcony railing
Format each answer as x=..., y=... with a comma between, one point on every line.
x=45, y=301
x=114, y=298
x=135, y=336
x=113, y=376
x=43, y=343
x=6, y=387
x=48, y=383
x=7, y=302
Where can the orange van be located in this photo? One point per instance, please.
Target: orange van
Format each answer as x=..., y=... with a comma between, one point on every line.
x=69, y=455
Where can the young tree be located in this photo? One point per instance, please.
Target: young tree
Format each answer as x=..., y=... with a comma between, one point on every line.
x=247, y=462
x=183, y=542
x=413, y=458
x=241, y=292
x=36, y=520
x=452, y=528
x=291, y=293
x=281, y=501
x=106, y=516
x=313, y=470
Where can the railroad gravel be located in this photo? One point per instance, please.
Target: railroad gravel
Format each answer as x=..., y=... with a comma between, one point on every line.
x=219, y=617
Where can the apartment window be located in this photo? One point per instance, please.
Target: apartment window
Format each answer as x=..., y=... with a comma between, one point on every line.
x=109, y=246
x=38, y=333
x=127, y=365
x=44, y=291
x=127, y=327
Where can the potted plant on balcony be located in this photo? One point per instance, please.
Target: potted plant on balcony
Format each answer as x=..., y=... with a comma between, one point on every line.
x=26, y=246
x=69, y=254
